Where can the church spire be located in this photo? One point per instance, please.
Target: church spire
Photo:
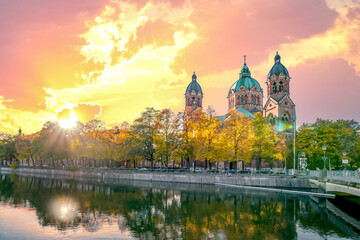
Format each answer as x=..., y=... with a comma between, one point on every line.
x=194, y=77
x=245, y=72
x=277, y=57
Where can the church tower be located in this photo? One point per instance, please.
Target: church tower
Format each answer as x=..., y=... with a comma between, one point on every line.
x=246, y=93
x=193, y=94
x=279, y=109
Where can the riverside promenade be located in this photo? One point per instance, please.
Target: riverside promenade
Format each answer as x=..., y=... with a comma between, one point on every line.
x=288, y=182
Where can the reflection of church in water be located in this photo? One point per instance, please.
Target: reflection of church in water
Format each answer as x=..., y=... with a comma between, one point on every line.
x=246, y=97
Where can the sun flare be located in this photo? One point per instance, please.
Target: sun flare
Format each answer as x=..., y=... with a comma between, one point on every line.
x=68, y=122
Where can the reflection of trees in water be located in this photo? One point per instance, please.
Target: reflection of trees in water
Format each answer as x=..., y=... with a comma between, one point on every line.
x=162, y=213
x=92, y=221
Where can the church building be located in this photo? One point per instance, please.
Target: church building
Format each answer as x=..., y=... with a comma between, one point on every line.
x=246, y=96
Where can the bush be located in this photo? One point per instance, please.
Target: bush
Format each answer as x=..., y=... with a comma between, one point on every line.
x=72, y=169
x=14, y=165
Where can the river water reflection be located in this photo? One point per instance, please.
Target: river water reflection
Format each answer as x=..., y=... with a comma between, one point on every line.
x=40, y=208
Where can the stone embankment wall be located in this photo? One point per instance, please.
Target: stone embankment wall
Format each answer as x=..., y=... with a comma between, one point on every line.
x=241, y=179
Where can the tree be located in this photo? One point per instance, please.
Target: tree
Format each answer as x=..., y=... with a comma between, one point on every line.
x=53, y=143
x=264, y=144
x=25, y=149
x=185, y=149
x=94, y=126
x=167, y=135
x=7, y=147
x=143, y=133
x=238, y=134
x=339, y=137
x=206, y=129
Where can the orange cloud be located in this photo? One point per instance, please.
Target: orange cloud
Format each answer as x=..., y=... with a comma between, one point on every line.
x=111, y=59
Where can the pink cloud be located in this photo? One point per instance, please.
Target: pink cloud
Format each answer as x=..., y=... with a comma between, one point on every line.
x=38, y=42
x=327, y=88
x=229, y=29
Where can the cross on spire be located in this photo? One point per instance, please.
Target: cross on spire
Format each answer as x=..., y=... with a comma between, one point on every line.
x=244, y=59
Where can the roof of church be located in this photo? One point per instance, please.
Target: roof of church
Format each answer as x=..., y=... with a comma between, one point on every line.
x=222, y=118
x=194, y=85
x=245, y=112
x=245, y=80
x=255, y=110
x=278, y=67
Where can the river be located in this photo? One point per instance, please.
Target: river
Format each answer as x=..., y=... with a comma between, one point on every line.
x=44, y=208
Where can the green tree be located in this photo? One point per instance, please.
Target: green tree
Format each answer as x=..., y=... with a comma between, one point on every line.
x=339, y=137
x=53, y=143
x=143, y=134
x=7, y=147
x=264, y=144
x=185, y=149
x=167, y=135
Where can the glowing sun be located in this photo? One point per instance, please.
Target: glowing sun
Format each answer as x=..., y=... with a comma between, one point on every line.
x=69, y=122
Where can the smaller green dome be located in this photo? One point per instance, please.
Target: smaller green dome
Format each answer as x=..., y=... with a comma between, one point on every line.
x=278, y=67
x=194, y=85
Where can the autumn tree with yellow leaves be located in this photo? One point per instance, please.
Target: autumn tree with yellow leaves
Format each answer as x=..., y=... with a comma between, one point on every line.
x=238, y=137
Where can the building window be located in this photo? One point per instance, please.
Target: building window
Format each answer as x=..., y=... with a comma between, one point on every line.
x=285, y=118
x=274, y=88
x=242, y=100
x=281, y=87
x=193, y=100
x=253, y=100
x=271, y=119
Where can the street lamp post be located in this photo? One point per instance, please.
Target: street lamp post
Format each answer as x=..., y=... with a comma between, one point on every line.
x=301, y=160
x=324, y=158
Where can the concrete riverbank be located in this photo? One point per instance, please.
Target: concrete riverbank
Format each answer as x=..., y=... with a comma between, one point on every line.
x=288, y=182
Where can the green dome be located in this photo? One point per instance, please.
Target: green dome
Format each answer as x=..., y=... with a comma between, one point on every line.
x=194, y=85
x=245, y=80
x=278, y=67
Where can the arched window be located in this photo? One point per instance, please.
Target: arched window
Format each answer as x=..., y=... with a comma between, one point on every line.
x=274, y=87
x=271, y=119
x=193, y=100
x=253, y=100
x=281, y=86
x=243, y=100
x=285, y=117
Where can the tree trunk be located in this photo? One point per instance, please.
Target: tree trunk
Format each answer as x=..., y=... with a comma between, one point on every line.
x=258, y=164
x=53, y=161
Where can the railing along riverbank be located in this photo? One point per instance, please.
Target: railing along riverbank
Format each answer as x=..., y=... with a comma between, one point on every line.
x=289, y=182
x=345, y=176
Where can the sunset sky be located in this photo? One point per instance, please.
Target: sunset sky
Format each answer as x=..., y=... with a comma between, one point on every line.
x=111, y=59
